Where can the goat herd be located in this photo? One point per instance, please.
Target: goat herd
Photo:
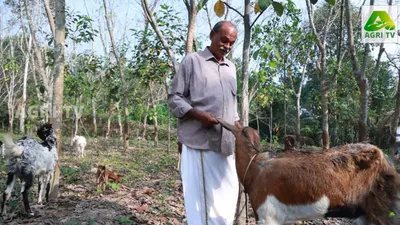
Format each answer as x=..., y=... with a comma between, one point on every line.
x=352, y=181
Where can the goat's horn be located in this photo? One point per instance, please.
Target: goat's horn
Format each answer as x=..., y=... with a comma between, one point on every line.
x=228, y=126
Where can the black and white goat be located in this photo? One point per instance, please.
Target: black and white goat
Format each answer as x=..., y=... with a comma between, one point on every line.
x=28, y=158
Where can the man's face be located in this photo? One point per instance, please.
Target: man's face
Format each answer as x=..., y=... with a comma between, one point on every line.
x=222, y=41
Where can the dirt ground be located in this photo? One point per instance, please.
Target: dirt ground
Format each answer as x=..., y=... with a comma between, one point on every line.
x=150, y=193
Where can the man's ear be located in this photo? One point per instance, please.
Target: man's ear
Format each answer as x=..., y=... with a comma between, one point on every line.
x=212, y=33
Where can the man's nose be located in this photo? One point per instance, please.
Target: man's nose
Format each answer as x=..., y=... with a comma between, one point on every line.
x=228, y=47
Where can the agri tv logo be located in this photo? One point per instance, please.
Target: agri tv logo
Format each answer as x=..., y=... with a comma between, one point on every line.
x=380, y=24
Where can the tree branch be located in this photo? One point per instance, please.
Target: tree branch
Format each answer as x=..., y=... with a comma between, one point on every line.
x=378, y=62
x=164, y=42
x=350, y=41
x=50, y=17
x=233, y=9
x=256, y=19
x=312, y=25
x=328, y=26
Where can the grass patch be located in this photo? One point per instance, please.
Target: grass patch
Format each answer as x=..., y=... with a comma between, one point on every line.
x=124, y=220
x=71, y=174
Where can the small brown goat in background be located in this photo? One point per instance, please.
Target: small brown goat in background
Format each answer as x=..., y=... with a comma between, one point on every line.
x=103, y=174
x=290, y=141
x=354, y=181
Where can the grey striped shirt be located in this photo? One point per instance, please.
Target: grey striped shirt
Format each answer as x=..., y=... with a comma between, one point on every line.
x=204, y=84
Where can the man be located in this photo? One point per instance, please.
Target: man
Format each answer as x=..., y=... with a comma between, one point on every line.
x=204, y=89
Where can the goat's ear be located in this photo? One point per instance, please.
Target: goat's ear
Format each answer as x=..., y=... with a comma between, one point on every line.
x=253, y=136
x=366, y=158
x=232, y=128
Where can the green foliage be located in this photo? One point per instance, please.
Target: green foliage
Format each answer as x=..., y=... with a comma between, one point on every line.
x=71, y=174
x=264, y=4
x=91, y=221
x=278, y=7
x=114, y=186
x=124, y=220
x=79, y=27
x=150, y=61
x=85, y=166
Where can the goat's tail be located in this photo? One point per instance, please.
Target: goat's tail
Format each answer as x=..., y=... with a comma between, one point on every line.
x=10, y=148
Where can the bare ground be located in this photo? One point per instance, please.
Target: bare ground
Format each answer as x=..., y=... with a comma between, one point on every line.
x=151, y=191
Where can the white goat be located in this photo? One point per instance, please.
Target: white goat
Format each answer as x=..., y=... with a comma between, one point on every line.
x=26, y=159
x=354, y=181
x=79, y=144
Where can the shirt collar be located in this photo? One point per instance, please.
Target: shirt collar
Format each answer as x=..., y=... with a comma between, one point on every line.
x=207, y=55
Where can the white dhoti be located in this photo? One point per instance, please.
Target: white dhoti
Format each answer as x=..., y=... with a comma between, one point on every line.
x=214, y=174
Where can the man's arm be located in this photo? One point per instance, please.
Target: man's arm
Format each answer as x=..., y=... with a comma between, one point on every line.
x=178, y=93
x=178, y=90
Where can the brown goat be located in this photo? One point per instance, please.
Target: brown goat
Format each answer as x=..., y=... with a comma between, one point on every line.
x=354, y=181
x=290, y=141
x=104, y=173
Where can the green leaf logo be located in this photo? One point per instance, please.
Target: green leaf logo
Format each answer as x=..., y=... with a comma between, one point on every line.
x=379, y=20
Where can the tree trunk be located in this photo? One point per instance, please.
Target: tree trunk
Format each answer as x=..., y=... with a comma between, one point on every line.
x=324, y=99
x=154, y=107
x=395, y=119
x=245, y=104
x=297, y=142
x=359, y=73
x=146, y=114
x=321, y=43
x=40, y=67
x=11, y=91
x=126, y=120
x=10, y=102
x=58, y=74
x=24, y=87
x=169, y=120
x=284, y=101
x=270, y=127
x=363, y=120
x=33, y=68
x=77, y=114
x=108, y=126
x=121, y=73
x=191, y=26
x=119, y=122
x=94, y=116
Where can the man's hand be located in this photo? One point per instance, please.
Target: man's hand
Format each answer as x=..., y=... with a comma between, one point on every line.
x=207, y=119
x=237, y=125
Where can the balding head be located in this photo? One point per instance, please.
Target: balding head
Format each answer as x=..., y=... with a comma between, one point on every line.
x=217, y=26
